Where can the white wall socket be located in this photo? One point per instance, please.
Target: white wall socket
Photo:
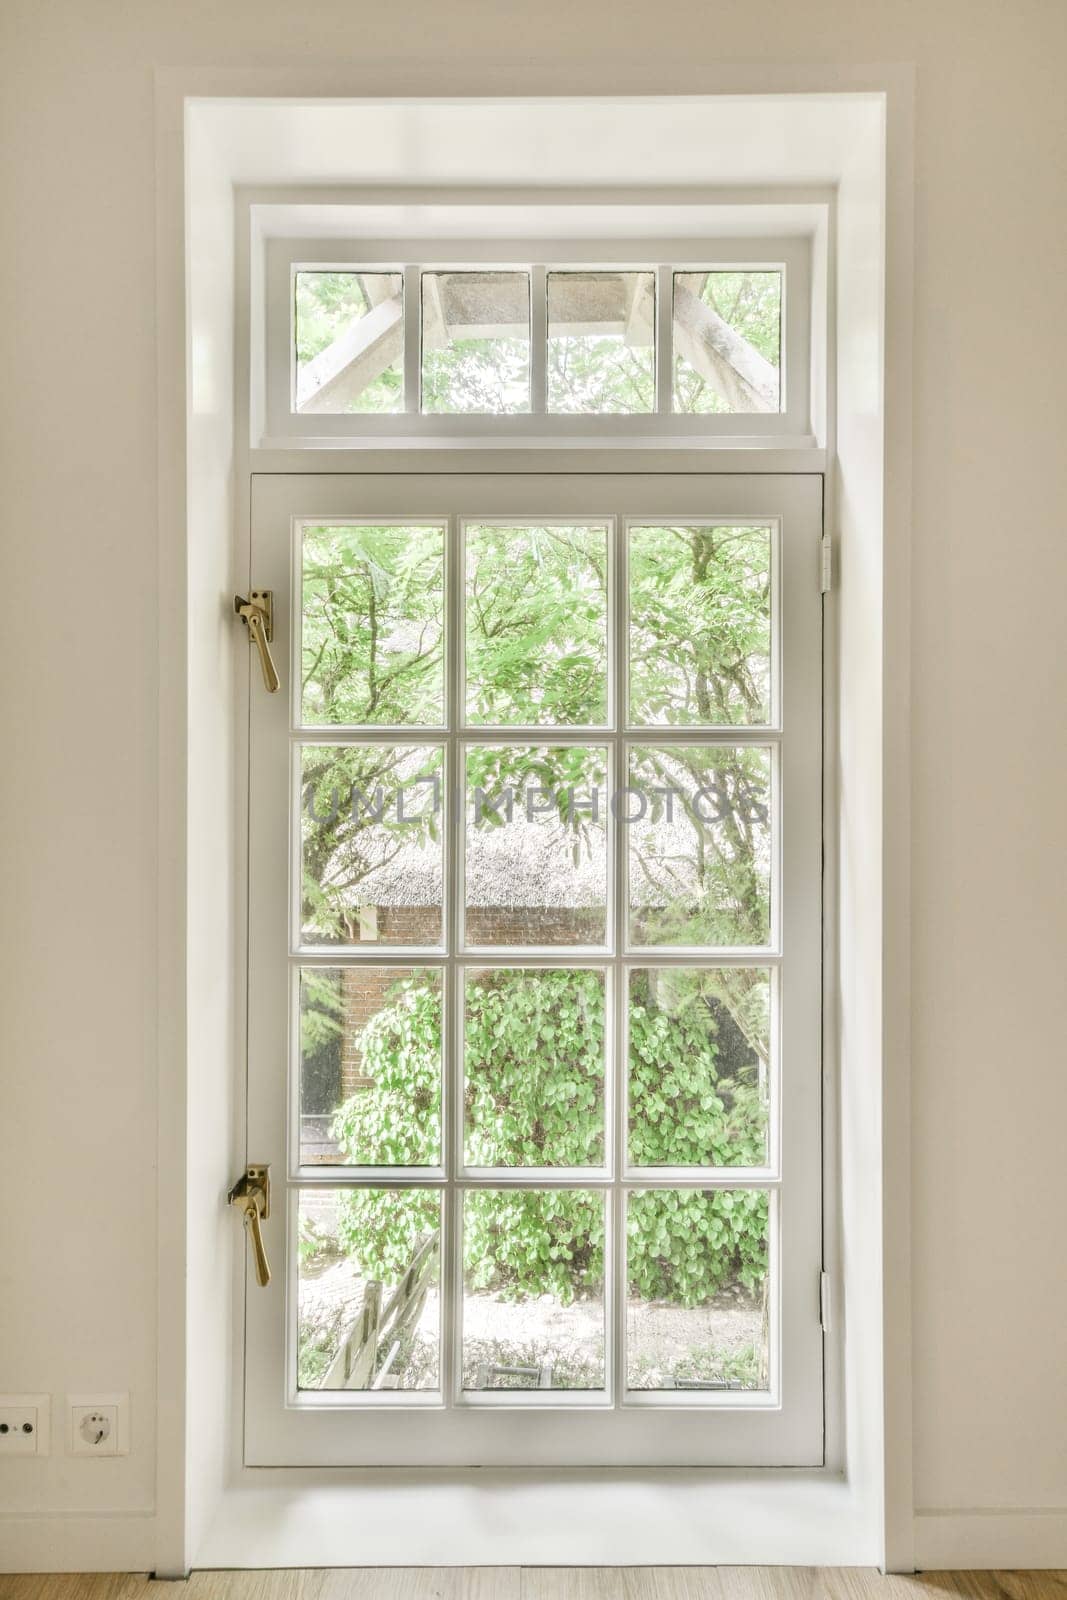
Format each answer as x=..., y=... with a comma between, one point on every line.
x=99, y=1424
x=25, y=1425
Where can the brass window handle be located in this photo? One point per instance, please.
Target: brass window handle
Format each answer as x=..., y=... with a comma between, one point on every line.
x=257, y=613
x=251, y=1194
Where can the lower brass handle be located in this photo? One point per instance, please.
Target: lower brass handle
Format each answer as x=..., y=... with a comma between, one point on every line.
x=255, y=1233
x=251, y=1193
x=259, y=638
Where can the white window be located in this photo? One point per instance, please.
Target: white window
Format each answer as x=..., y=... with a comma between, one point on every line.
x=363, y=343
x=534, y=1006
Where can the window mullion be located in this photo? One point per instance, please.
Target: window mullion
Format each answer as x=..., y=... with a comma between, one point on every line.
x=412, y=339
x=615, y=1266
x=452, y=1241
x=538, y=339
x=664, y=338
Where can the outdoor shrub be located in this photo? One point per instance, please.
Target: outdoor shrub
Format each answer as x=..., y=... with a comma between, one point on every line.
x=534, y=1092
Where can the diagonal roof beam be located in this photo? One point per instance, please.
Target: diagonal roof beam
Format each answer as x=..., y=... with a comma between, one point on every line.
x=363, y=352
x=480, y=305
x=746, y=380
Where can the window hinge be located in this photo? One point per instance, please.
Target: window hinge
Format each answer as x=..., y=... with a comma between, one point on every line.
x=826, y=564
x=824, y=1301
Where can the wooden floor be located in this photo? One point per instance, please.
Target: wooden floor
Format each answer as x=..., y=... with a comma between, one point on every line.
x=549, y=1583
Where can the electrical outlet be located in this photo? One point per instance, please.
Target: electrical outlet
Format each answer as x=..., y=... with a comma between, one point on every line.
x=24, y=1424
x=99, y=1424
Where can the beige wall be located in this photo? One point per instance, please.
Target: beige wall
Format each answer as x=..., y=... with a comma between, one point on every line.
x=989, y=670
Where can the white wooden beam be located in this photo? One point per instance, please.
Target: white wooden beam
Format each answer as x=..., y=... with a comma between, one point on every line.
x=475, y=305
x=362, y=353
x=746, y=380
x=641, y=312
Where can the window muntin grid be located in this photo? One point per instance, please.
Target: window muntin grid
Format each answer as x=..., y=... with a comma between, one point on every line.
x=454, y=958
x=567, y=262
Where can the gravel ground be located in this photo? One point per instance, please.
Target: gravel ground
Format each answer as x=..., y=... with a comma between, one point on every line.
x=711, y=1341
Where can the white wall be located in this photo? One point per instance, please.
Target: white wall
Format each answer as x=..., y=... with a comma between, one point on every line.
x=79, y=512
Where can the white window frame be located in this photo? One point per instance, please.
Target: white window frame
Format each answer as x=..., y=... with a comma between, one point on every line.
x=283, y=257
x=286, y=1427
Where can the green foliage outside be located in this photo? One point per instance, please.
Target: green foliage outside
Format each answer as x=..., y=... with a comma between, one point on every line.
x=327, y=304
x=594, y=374
x=534, y=1050
x=751, y=304
x=700, y=634
x=488, y=377
x=536, y=607
x=599, y=376
x=373, y=612
x=700, y=643
x=700, y=626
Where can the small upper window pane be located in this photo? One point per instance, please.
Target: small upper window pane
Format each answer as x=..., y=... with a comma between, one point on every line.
x=476, y=342
x=700, y=625
x=537, y=624
x=349, y=342
x=371, y=865
x=536, y=865
x=601, y=342
x=698, y=831
x=727, y=341
x=515, y=1117
x=699, y=1063
x=371, y=636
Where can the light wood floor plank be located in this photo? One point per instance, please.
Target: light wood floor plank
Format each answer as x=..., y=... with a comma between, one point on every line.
x=546, y=1583
x=75, y=1586
x=619, y=1583
x=366, y=1583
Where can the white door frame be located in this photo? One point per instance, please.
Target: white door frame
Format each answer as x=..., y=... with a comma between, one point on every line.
x=208, y=1511
x=782, y=1428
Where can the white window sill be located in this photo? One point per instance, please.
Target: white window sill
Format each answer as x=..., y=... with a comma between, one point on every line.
x=285, y=1517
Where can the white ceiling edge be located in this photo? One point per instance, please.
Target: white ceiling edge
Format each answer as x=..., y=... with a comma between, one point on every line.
x=801, y=140
x=407, y=219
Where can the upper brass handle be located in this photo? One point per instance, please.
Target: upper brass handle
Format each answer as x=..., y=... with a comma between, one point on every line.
x=257, y=613
x=251, y=1193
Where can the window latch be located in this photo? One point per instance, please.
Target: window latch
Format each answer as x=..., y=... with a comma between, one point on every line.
x=257, y=614
x=251, y=1194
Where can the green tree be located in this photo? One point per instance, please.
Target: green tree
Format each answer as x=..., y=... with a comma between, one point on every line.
x=327, y=305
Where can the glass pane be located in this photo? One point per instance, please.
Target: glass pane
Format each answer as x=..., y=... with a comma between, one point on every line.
x=698, y=825
x=370, y=1066
x=727, y=341
x=700, y=1047
x=349, y=341
x=476, y=342
x=533, y=1289
x=537, y=630
x=371, y=844
x=369, y=1308
x=700, y=625
x=373, y=604
x=697, y=1312
x=534, y=1068
x=536, y=861
x=601, y=342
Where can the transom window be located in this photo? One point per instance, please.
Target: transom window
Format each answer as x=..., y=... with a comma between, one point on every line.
x=714, y=341
x=597, y=350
